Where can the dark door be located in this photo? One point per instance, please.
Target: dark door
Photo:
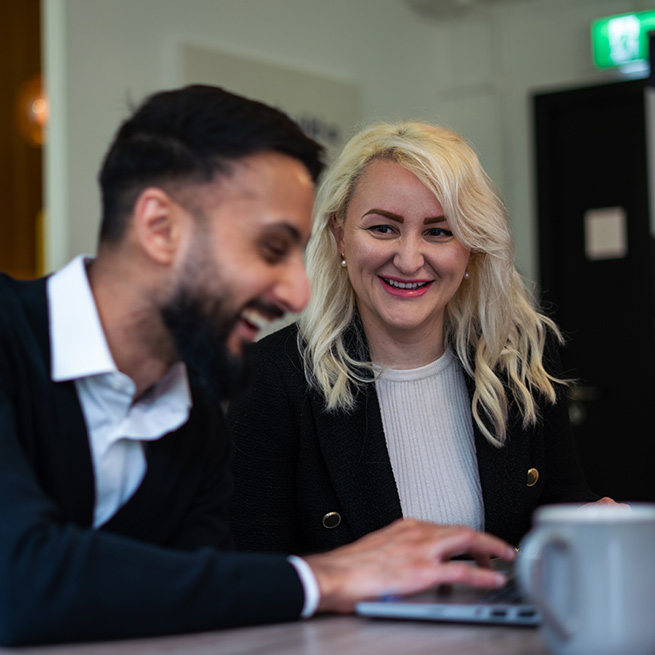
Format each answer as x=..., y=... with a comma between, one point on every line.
x=20, y=138
x=596, y=273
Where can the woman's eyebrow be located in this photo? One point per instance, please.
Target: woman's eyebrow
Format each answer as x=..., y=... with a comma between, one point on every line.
x=397, y=217
x=386, y=214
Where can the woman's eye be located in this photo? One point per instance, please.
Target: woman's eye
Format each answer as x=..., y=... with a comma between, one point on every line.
x=439, y=233
x=381, y=229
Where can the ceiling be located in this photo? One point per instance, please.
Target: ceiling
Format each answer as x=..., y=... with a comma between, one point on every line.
x=441, y=8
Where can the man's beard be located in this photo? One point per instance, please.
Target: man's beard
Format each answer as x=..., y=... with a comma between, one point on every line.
x=200, y=328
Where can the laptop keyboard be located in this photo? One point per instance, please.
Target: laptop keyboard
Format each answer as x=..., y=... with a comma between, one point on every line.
x=510, y=593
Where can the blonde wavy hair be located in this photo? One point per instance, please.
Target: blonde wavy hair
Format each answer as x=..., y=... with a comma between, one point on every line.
x=491, y=323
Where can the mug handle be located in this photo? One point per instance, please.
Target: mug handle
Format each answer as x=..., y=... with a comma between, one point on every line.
x=529, y=556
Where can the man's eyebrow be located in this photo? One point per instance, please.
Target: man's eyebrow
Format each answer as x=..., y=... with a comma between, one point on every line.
x=289, y=228
x=400, y=219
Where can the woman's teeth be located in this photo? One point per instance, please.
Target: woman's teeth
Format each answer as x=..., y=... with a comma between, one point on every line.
x=404, y=285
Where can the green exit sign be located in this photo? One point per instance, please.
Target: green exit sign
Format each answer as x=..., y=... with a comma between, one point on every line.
x=621, y=39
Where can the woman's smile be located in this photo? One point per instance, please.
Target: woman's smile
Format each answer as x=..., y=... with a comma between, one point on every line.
x=405, y=288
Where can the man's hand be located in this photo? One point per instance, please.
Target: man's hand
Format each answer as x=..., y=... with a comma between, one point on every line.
x=405, y=557
x=606, y=500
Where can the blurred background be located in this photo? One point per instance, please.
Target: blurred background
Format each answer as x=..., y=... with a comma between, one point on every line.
x=553, y=94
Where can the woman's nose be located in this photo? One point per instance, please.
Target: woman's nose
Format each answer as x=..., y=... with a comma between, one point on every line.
x=408, y=257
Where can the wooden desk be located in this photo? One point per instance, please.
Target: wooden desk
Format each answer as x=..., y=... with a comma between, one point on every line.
x=323, y=636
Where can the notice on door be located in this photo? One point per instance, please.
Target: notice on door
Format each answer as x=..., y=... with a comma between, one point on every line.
x=606, y=233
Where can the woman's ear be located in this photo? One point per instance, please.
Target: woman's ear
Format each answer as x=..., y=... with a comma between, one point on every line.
x=157, y=224
x=337, y=230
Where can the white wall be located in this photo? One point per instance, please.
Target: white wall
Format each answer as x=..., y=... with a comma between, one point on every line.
x=105, y=52
x=473, y=72
x=491, y=62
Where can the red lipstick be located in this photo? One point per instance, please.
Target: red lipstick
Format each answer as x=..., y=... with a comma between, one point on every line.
x=405, y=288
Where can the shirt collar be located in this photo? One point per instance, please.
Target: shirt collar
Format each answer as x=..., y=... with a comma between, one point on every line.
x=78, y=345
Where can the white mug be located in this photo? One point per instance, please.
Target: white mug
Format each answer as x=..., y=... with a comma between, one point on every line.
x=591, y=571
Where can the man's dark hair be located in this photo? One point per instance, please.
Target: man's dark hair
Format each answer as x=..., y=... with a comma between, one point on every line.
x=190, y=135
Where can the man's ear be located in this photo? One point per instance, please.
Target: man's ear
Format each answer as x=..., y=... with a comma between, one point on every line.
x=158, y=224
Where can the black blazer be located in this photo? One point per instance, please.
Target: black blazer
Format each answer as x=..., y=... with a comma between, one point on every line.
x=158, y=566
x=307, y=480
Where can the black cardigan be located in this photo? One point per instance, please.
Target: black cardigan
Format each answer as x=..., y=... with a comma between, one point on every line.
x=155, y=567
x=295, y=463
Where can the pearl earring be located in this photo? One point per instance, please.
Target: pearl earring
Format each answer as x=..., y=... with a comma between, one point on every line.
x=466, y=275
x=343, y=260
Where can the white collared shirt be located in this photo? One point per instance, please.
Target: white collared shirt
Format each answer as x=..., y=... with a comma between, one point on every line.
x=117, y=425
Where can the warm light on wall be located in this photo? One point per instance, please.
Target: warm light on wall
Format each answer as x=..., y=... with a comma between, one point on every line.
x=32, y=111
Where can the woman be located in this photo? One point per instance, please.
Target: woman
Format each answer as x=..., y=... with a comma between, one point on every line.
x=420, y=380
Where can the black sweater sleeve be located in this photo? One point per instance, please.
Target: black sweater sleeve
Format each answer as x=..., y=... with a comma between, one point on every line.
x=63, y=581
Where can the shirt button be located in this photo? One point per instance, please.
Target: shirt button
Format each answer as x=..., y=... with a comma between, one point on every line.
x=533, y=476
x=331, y=520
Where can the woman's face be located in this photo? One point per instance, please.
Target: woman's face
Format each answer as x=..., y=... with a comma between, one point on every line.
x=402, y=259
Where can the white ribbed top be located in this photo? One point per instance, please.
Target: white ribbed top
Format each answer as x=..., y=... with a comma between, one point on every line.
x=426, y=416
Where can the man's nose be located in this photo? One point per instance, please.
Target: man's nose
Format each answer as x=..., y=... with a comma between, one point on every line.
x=293, y=288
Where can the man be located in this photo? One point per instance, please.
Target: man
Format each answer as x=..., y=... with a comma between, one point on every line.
x=113, y=451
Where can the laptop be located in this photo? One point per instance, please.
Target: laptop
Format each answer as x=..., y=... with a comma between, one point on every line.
x=457, y=604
